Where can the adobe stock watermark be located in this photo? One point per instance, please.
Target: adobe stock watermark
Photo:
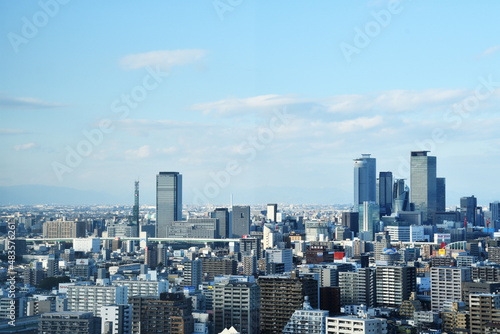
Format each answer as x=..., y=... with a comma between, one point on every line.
x=363, y=37
x=455, y=117
x=32, y=25
x=11, y=260
x=249, y=150
x=94, y=137
x=223, y=6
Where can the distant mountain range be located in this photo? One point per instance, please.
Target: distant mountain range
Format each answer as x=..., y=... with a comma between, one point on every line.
x=40, y=194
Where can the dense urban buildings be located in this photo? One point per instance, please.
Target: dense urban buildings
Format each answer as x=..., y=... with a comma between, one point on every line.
x=392, y=263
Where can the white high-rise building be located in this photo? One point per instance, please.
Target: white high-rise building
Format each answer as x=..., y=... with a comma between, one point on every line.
x=116, y=319
x=446, y=285
x=144, y=288
x=90, y=298
x=272, y=210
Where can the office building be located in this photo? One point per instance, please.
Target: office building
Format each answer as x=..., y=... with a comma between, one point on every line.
x=307, y=320
x=365, y=179
x=351, y=324
x=116, y=319
x=446, y=285
x=214, y=266
x=401, y=196
x=423, y=187
x=171, y=314
x=222, y=214
x=64, y=229
x=394, y=284
x=237, y=304
x=369, y=220
x=272, y=211
x=351, y=220
x=90, y=298
x=241, y=221
x=193, y=273
x=168, y=201
x=385, y=189
x=317, y=230
x=249, y=245
x=280, y=296
x=440, y=194
x=194, y=228
x=69, y=322
x=468, y=206
x=495, y=211
x=284, y=256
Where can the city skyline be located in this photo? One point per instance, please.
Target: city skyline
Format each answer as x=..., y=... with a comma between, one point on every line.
x=250, y=97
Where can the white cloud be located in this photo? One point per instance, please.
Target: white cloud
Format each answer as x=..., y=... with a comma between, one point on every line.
x=26, y=103
x=140, y=153
x=11, y=131
x=162, y=59
x=167, y=150
x=489, y=51
x=381, y=102
x=24, y=146
x=240, y=105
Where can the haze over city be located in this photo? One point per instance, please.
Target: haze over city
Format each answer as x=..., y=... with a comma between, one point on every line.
x=286, y=93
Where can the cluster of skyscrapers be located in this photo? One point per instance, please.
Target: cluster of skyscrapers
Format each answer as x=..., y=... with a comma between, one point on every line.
x=376, y=197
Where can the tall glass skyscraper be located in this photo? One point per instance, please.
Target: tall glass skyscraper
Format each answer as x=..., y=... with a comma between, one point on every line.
x=365, y=180
x=168, y=201
x=441, y=194
x=385, y=188
x=369, y=220
x=423, y=184
x=223, y=215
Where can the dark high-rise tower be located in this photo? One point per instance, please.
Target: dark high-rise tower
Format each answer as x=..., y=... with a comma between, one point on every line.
x=365, y=180
x=441, y=194
x=223, y=215
x=423, y=186
x=468, y=207
x=168, y=201
x=241, y=220
x=385, y=189
x=401, y=196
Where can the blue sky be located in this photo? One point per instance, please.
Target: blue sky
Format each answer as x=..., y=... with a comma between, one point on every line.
x=257, y=99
